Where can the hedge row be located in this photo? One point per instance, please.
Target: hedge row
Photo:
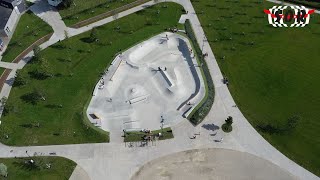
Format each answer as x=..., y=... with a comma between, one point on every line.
x=203, y=108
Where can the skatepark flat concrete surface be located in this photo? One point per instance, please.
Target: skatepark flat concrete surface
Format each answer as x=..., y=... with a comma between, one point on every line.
x=210, y=164
x=152, y=83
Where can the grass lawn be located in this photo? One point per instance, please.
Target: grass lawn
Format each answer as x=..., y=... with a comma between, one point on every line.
x=138, y=136
x=310, y=3
x=30, y=28
x=85, y=9
x=273, y=74
x=61, y=168
x=76, y=65
x=1, y=71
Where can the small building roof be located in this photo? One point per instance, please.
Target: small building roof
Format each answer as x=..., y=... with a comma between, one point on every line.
x=4, y=16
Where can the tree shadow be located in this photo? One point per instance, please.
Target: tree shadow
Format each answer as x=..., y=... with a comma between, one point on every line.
x=53, y=106
x=63, y=60
x=10, y=81
x=23, y=164
x=38, y=75
x=87, y=40
x=26, y=125
x=29, y=98
x=58, y=46
x=211, y=127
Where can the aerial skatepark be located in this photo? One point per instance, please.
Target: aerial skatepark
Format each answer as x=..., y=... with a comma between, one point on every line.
x=149, y=86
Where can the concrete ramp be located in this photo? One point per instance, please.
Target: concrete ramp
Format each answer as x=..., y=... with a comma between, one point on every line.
x=167, y=78
x=138, y=99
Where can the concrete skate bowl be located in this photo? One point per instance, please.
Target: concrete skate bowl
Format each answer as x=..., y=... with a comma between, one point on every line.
x=151, y=50
x=211, y=164
x=162, y=49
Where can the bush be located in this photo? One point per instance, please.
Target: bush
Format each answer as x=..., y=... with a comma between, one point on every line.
x=37, y=56
x=3, y=170
x=67, y=3
x=229, y=120
x=93, y=35
x=6, y=107
x=19, y=80
x=205, y=105
x=226, y=127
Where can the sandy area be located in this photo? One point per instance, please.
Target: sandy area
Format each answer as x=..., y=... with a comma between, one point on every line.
x=210, y=164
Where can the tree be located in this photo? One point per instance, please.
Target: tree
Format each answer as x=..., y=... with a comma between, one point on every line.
x=93, y=35
x=67, y=3
x=226, y=127
x=46, y=68
x=3, y=170
x=19, y=80
x=229, y=120
x=6, y=107
x=36, y=57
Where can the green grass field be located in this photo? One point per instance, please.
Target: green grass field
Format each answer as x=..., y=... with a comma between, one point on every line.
x=273, y=73
x=138, y=136
x=1, y=71
x=61, y=168
x=310, y=3
x=76, y=65
x=30, y=28
x=84, y=9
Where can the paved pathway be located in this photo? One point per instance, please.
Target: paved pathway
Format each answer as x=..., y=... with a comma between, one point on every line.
x=51, y=16
x=118, y=161
x=79, y=174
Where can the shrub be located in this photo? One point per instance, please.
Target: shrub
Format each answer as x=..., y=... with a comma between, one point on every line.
x=226, y=128
x=205, y=105
x=229, y=120
x=19, y=80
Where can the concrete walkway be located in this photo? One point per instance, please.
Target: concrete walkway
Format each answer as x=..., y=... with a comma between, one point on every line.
x=79, y=174
x=8, y=65
x=118, y=161
x=51, y=16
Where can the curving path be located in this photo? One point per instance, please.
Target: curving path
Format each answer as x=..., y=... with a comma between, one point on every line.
x=118, y=161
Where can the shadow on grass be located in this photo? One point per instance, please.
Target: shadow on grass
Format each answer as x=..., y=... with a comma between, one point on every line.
x=26, y=125
x=25, y=165
x=31, y=98
x=290, y=125
x=39, y=75
x=87, y=40
x=53, y=106
x=58, y=46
